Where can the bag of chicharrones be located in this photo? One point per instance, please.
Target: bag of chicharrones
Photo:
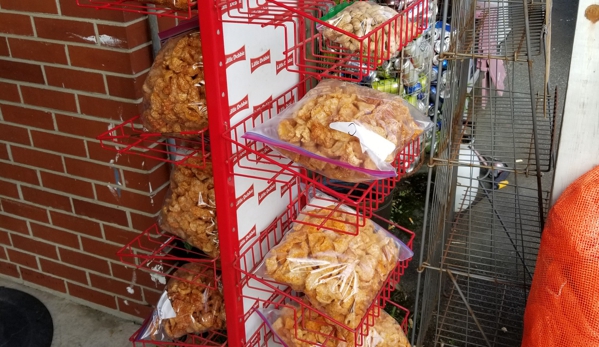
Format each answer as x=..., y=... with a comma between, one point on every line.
x=344, y=131
x=340, y=273
x=297, y=327
x=362, y=17
x=174, y=95
x=186, y=308
x=563, y=303
x=189, y=210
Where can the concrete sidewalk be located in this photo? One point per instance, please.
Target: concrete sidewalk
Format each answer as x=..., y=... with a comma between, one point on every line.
x=80, y=326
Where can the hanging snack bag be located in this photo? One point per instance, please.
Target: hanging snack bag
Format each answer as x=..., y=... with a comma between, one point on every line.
x=340, y=274
x=302, y=328
x=344, y=131
x=180, y=5
x=174, y=96
x=186, y=308
x=189, y=211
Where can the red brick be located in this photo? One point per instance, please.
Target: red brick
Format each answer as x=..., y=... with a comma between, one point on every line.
x=4, y=47
x=64, y=30
x=79, y=225
x=29, y=156
x=29, y=6
x=3, y=151
x=16, y=24
x=94, y=296
x=96, y=152
x=165, y=23
x=101, y=59
x=9, y=269
x=63, y=271
x=44, y=198
x=21, y=258
x=84, y=260
x=13, y=70
x=102, y=173
x=129, y=36
x=115, y=286
x=134, y=308
x=75, y=79
x=9, y=189
x=141, y=277
x=37, y=51
x=24, y=210
x=100, y=248
x=13, y=224
x=9, y=92
x=54, y=235
x=18, y=173
x=126, y=87
x=107, y=108
x=118, y=235
x=3, y=253
x=14, y=134
x=67, y=184
x=49, y=98
x=34, y=246
x=95, y=211
x=27, y=116
x=70, y=9
x=4, y=239
x=140, y=202
x=58, y=143
x=142, y=181
x=142, y=222
x=152, y=296
x=80, y=126
x=43, y=280
x=141, y=59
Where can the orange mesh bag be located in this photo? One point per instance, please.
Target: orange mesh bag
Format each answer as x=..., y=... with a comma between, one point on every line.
x=563, y=305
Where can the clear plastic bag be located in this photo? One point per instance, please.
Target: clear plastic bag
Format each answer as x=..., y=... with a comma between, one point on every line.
x=189, y=211
x=186, y=308
x=360, y=18
x=340, y=274
x=181, y=5
x=174, y=95
x=295, y=328
x=344, y=131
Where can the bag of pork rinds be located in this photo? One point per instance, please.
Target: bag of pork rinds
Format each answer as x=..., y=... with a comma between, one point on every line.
x=563, y=304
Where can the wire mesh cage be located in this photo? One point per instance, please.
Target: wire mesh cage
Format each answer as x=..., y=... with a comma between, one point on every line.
x=182, y=9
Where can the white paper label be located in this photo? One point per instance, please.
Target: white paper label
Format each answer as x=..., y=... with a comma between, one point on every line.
x=164, y=307
x=378, y=145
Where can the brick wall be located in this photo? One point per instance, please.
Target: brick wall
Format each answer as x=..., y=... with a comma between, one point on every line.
x=66, y=74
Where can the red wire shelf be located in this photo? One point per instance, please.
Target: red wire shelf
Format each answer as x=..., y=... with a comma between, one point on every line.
x=138, y=7
x=255, y=252
x=129, y=138
x=209, y=339
x=162, y=254
x=311, y=53
x=255, y=160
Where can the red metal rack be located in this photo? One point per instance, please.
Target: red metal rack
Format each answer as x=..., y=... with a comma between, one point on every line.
x=129, y=138
x=185, y=12
x=157, y=252
x=310, y=52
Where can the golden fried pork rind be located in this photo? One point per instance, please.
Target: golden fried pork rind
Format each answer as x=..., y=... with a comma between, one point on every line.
x=305, y=135
x=198, y=307
x=189, y=211
x=340, y=274
x=174, y=95
x=302, y=328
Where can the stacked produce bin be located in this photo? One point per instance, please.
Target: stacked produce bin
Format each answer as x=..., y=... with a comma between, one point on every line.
x=229, y=254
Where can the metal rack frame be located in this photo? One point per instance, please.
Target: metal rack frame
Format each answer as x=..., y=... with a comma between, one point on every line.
x=480, y=244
